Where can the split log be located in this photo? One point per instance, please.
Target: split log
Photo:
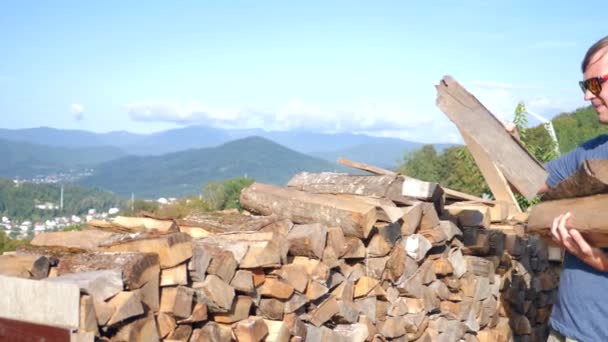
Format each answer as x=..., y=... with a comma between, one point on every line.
x=295, y=275
x=88, y=239
x=165, y=323
x=470, y=215
x=384, y=240
x=177, y=275
x=243, y=281
x=239, y=311
x=411, y=219
x=126, y=305
x=176, y=301
x=324, y=312
x=172, y=249
x=517, y=165
x=148, y=223
x=217, y=293
x=137, y=268
x=307, y=240
x=355, y=219
x=101, y=285
x=276, y=288
x=252, y=329
x=141, y=329
x=24, y=266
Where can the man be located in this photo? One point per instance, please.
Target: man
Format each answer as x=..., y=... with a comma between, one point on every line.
x=581, y=310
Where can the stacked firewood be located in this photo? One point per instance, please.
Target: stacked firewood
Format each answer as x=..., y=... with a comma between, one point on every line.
x=330, y=257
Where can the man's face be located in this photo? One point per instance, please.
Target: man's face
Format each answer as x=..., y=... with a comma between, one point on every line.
x=599, y=67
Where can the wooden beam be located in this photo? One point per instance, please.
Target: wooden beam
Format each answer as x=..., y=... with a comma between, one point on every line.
x=518, y=166
x=493, y=176
x=365, y=167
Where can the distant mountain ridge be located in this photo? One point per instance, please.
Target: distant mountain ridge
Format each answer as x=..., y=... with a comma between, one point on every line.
x=184, y=173
x=324, y=145
x=27, y=160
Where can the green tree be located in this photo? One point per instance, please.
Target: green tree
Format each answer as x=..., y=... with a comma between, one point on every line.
x=225, y=194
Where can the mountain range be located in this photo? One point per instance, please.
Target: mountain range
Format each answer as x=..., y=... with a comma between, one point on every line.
x=179, y=162
x=380, y=151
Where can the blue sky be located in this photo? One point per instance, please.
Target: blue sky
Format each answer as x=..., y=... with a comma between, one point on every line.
x=348, y=66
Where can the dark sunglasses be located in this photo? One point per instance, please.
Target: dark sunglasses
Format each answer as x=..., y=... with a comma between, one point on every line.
x=594, y=84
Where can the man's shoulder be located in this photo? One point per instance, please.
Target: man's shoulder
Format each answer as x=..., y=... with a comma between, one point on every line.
x=594, y=143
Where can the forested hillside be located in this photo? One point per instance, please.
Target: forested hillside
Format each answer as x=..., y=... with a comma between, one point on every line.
x=17, y=201
x=184, y=173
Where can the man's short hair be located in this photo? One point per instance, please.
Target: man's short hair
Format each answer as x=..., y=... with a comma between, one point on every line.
x=600, y=45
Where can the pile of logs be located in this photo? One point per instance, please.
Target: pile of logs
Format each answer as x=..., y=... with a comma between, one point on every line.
x=330, y=257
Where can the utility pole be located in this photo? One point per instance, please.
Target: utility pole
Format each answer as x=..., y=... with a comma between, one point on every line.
x=132, y=201
x=61, y=199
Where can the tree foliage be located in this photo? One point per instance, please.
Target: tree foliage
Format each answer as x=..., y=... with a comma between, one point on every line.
x=225, y=194
x=18, y=201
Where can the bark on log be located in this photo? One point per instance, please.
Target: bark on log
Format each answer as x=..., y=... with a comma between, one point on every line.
x=355, y=219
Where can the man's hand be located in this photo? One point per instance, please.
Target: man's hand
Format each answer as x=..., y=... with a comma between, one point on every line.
x=574, y=242
x=512, y=129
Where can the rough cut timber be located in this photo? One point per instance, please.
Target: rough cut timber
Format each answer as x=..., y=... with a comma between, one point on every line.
x=518, y=166
x=88, y=239
x=137, y=268
x=494, y=178
x=590, y=179
x=101, y=285
x=172, y=249
x=589, y=216
x=226, y=221
x=356, y=219
x=341, y=183
x=147, y=223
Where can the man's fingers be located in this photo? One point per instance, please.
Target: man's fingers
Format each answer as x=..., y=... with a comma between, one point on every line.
x=554, y=226
x=580, y=242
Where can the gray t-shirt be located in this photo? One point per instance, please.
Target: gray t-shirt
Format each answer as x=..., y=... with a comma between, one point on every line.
x=581, y=310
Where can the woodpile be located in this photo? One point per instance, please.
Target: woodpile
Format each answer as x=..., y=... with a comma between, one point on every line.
x=330, y=257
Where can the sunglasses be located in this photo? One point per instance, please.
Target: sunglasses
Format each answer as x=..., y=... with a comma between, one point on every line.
x=594, y=84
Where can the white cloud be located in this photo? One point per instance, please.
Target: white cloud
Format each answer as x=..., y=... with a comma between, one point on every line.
x=501, y=99
x=293, y=115
x=77, y=111
x=400, y=121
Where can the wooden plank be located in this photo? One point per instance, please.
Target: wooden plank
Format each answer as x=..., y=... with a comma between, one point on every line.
x=493, y=176
x=591, y=178
x=41, y=302
x=356, y=219
x=19, y=331
x=365, y=167
x=518, y=166
x=589, y=216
